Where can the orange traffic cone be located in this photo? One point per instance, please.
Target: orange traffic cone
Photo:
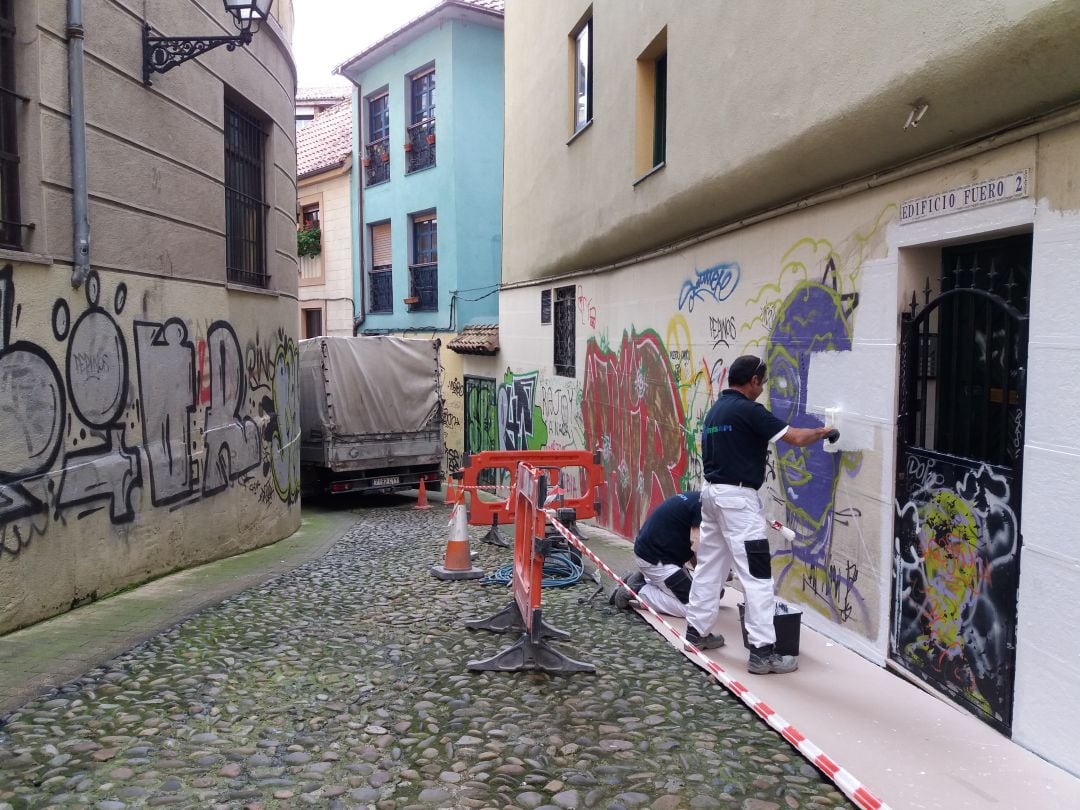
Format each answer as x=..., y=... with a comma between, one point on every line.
x=421, y=499
x=451, y=491
x=458, y=563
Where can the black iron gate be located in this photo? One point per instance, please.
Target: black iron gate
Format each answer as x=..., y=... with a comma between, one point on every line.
x=956, y=555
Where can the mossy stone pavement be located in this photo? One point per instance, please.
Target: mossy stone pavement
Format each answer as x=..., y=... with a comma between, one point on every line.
x=329, y=670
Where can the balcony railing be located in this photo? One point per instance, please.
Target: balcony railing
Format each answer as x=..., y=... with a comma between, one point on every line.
x=420, y=146
x=424, y=287
x=382, y=289
x=377, y=161
x=311, y=269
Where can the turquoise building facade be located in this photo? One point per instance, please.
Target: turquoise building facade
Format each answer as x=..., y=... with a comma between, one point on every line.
x=427, y=140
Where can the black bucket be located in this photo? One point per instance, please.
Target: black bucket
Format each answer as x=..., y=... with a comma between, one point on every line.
x=788, y=623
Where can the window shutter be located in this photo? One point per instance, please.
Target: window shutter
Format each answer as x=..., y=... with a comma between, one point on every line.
x=381, y=252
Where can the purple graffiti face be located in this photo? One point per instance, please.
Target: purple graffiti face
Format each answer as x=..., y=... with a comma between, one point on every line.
x=810, y=320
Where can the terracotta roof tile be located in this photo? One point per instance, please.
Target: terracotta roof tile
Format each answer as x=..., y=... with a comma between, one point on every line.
x=477, y=339
x=490, y=5
x=322, y=93
x=326, y=142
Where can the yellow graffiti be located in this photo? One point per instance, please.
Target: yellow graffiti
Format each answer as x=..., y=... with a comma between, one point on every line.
x=807, y=259
x=692, y=378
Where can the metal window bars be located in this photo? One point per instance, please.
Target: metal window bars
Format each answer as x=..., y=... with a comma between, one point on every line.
x=420, y=146
x=377, y=161
x=381, y=283
x=245, y=208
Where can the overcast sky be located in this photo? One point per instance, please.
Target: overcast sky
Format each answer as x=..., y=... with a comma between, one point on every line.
x=330, y=31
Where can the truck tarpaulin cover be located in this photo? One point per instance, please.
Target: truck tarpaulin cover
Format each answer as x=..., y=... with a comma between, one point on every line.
x=355, y=386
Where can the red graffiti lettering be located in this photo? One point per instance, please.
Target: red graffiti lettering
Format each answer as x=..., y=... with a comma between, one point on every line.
x=203, y=375
x=632, y=412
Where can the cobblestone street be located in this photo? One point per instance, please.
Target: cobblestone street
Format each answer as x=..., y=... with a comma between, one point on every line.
x=343, y=684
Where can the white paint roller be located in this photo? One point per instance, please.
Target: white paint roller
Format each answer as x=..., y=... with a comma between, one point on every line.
x=784, y=530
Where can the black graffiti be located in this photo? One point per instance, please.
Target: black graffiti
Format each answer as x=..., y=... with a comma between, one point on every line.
x=453, y=459
x=833, y=587
x=516, y=412
x=722, y=331
x=97, y=400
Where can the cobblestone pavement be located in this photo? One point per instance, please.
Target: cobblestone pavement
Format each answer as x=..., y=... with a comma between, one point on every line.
x=343, y=684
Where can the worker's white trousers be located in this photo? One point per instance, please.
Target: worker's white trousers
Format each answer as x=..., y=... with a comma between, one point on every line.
x=731, y=517
x=655, y=591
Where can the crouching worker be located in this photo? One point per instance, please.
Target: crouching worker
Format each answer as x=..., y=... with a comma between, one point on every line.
x=663, y=548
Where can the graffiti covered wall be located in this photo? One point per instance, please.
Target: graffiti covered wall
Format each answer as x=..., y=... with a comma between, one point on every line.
x=651, y=362
x=142, y=429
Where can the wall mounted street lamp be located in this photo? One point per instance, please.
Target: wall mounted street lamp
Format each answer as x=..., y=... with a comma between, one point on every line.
x=162, y=54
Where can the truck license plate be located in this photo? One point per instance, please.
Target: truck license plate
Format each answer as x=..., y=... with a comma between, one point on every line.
x=388, y=481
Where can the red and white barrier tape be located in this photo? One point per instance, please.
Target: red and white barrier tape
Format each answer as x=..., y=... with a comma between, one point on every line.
x=842, y=778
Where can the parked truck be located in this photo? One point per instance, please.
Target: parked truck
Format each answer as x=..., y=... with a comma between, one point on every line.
x=370, y=414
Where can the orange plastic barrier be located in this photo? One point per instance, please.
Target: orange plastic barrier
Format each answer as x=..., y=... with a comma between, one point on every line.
x=553, y=462
x=524, y=615
x=529, y=528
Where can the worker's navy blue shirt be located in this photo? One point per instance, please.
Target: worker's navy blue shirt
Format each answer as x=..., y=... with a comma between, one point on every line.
x=664, y=539
x=736, y=438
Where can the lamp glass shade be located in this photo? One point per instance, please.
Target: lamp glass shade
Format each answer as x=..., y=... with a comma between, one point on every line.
x=246, y=12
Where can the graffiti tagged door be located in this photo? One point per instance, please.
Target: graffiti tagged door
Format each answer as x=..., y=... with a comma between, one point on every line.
x=481, y=408
x=956, y=552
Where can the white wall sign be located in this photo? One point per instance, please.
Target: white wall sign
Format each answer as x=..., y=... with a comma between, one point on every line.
x=985, y=192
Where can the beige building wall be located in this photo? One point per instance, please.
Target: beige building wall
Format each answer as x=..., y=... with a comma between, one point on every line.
x=148, y=417
x=332, y=290
x=756, y=232
x=743, y=137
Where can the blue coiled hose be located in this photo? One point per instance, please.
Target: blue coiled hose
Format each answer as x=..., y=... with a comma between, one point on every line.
x=560, y=570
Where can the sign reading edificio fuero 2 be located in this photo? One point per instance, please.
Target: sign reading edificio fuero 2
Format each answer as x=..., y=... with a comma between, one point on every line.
x=986, y=192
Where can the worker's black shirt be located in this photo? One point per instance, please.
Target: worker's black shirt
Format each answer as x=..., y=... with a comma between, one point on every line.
x=664, y=538
x=736, y=439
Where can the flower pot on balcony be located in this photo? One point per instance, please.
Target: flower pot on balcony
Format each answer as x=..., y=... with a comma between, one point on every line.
x=412, y=300
x=386, y=157
x=431, y=139
x=408, y=146
x=367, y=163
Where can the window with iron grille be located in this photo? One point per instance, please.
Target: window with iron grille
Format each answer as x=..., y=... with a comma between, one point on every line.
x=565, y=333
x=245, y=207
x=377, y=150
x=10, y=226
x=381, y=278
x=424, y=270
x=420, y=134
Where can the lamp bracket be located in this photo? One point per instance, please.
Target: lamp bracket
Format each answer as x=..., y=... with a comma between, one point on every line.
x=162, y=54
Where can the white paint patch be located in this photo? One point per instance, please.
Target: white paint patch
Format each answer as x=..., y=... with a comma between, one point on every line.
x=860, y=384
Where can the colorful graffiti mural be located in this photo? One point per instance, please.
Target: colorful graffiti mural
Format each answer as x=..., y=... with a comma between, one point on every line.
x=90, y=436
x=956, y=546
x=815, y=316
x=521, y=421
x=811, y=308
x=633, y=413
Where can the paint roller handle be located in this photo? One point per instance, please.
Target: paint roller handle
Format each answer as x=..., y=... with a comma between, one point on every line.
x=832, y=436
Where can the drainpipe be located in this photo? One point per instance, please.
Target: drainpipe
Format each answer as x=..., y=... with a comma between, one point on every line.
x=79, y=201
x=356, y=189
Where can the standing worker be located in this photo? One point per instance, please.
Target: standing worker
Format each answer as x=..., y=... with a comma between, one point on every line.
x=662, y=549
x=734, y=444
